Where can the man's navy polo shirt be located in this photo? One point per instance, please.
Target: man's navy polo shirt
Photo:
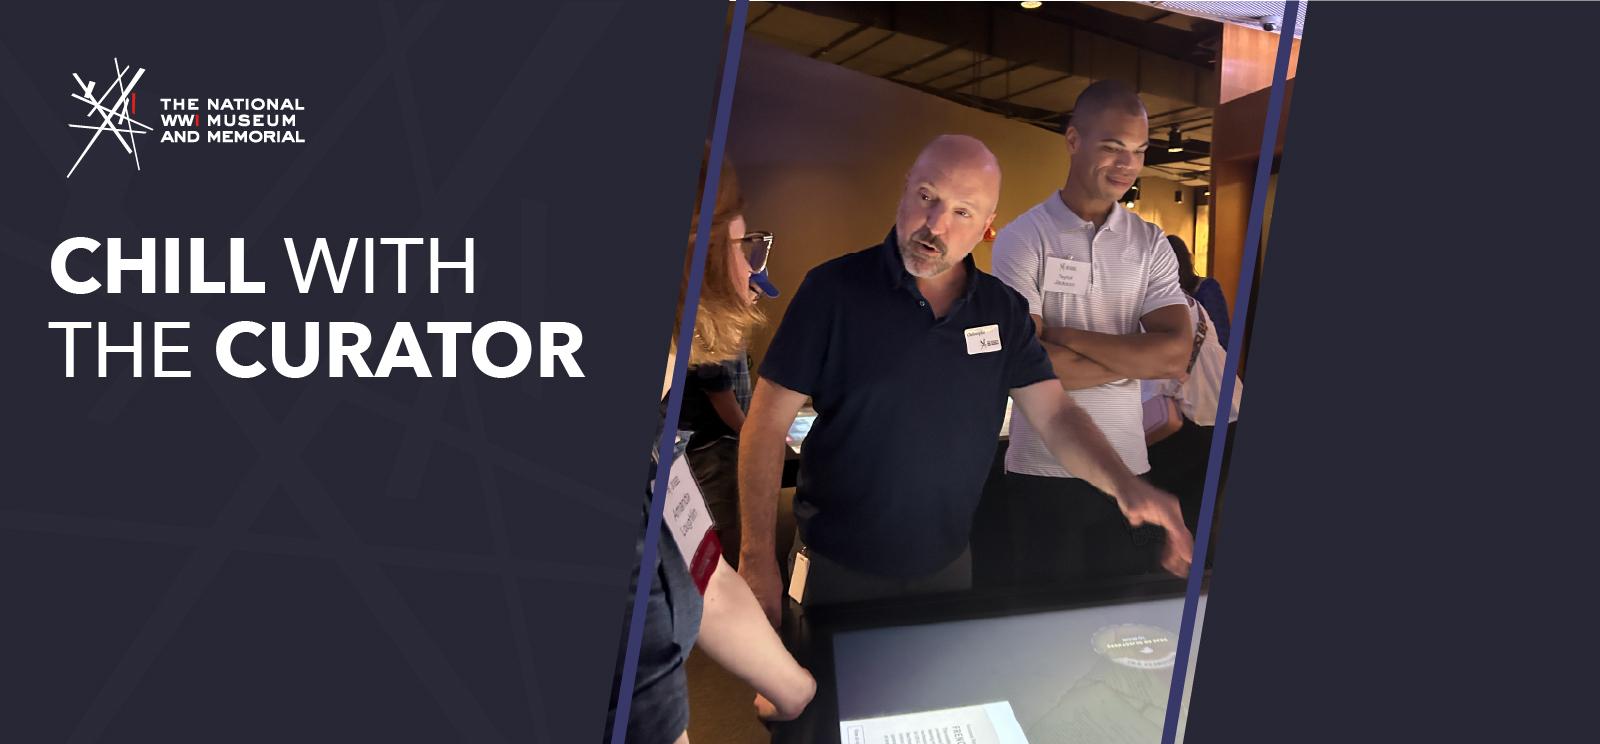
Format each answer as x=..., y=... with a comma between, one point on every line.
x=907, y=420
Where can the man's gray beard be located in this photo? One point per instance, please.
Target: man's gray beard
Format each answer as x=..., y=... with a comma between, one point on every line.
x=932, y=266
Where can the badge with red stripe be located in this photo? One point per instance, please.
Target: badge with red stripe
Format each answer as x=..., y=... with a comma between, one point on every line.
x=691, y=524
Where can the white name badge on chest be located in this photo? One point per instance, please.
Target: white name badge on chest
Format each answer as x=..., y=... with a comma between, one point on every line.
x=1066, y=275
x=691, y=526
x=983, y=339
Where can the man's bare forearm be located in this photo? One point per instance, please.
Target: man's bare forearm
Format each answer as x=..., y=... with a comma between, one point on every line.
x=1154, y=355
x=760, y=476
x=1072, y=437
x=1080, y=446
x=761, y=448
x=1077, y=371
x=1160, y=352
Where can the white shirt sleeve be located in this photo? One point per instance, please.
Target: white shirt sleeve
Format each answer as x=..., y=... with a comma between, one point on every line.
x=1161, y=288
x=1019, y=262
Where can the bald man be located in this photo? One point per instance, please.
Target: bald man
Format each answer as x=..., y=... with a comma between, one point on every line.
x=1102, y=285
x=908, y=353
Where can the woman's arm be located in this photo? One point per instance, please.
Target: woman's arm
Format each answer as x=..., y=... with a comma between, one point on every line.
x=735, y=633
x=727, y=407
x=1209, y=295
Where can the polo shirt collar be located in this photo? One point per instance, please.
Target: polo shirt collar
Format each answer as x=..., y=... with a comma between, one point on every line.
x=1115, y=222
x=895, y=268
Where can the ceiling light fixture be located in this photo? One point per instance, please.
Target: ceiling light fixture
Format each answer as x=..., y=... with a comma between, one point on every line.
x=1031, y=4
x=1175, y=140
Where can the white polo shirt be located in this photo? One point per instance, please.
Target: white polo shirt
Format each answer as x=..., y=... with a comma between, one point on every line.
x=1127, y=270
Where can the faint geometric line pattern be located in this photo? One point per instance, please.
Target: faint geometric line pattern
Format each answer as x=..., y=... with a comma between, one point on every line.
x=119, y=111
x=495, y=508
x=118, y=393
x=573, y=33
x=534, y=264
x=300, y=547
x=396, y=49
x=280, y=446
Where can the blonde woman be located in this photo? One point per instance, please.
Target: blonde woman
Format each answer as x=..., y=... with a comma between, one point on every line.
x=727, y=623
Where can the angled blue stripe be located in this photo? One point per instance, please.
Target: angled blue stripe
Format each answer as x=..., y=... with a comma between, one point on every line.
x=708, y=200
x=1241, y=309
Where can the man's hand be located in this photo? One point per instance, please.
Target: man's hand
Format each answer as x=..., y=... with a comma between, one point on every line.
x=767, y=585
x=1144, y=504
x=1082, y=449
x=794, y=701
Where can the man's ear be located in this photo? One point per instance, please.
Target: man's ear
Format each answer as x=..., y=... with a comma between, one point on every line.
x=1073, y=139
x=988, y=229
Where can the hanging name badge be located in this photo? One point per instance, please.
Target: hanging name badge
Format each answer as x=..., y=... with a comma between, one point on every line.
x=1066, y=275
x=691, y=526
x=983, y=339
x=797, y=576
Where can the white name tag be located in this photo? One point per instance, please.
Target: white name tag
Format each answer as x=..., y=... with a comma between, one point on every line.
x=983, y=339
x=690, y=522
x=797, y=577
x=1066, y=275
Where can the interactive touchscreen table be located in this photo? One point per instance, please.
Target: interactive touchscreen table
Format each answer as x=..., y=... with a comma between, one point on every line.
x=1093, y=665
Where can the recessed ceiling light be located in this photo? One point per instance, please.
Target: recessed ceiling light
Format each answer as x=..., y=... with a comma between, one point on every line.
x=1031, y=4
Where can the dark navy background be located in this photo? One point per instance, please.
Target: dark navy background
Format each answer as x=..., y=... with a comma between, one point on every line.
x=218, y=559
x=1406, y=551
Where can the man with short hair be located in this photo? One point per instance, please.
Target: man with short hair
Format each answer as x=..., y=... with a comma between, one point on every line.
x=1102, y=287
x=908, y=352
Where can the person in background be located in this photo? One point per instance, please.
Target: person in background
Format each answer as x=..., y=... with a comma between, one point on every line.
x=1102, y=287
x=1204, y=289
x=726, y=622
x=1179, y=422
x=715, y=398
x=908, y=352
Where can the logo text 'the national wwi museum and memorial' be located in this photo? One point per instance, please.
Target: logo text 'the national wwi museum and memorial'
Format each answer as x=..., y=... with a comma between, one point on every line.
x=114, y=109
